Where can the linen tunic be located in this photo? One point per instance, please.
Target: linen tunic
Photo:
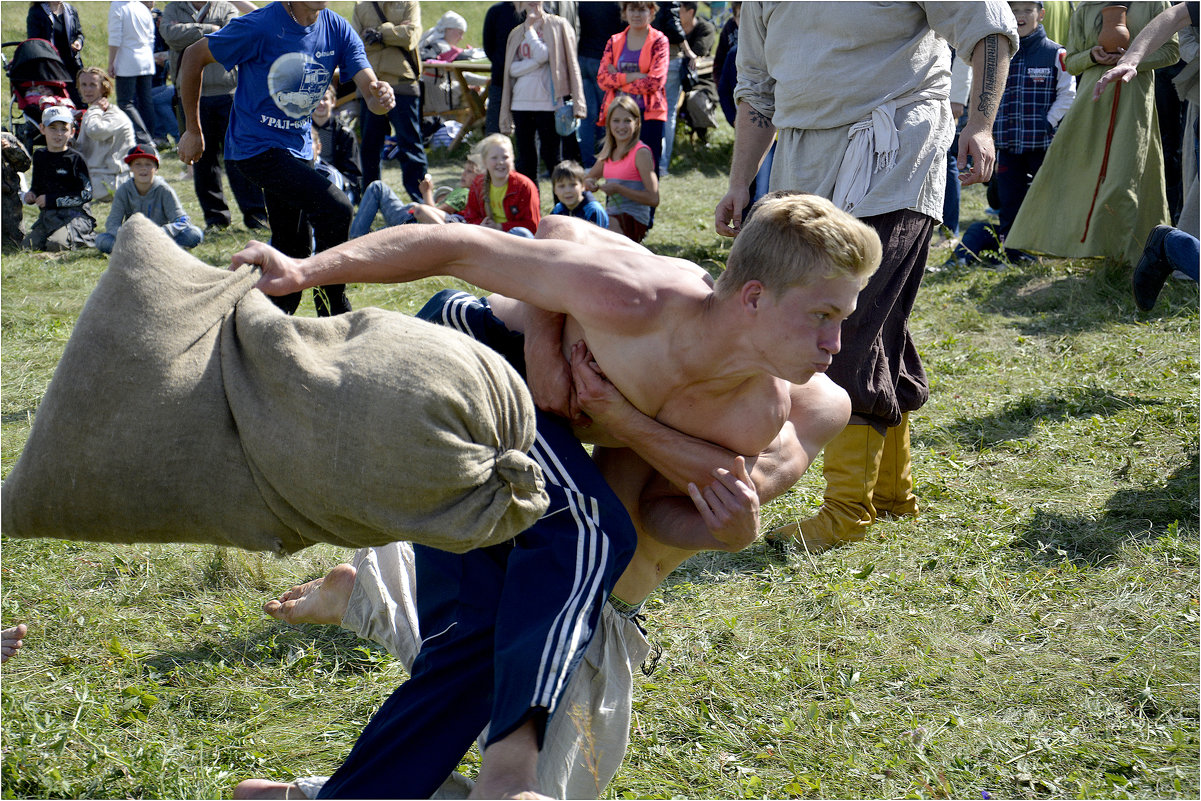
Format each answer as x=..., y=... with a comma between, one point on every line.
x=819, y=68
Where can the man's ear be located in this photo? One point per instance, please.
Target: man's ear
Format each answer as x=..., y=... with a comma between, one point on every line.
x=751, y=294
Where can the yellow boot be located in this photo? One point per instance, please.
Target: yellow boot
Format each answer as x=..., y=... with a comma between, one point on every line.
x=852, y=462
x=893, y=495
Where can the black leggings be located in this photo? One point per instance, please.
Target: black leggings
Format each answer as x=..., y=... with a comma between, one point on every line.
x=530, y=127
x=301, y=206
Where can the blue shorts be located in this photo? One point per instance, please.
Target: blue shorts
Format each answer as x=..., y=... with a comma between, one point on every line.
x=504, y=627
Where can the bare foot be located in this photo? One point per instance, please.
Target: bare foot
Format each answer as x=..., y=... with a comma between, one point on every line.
x=261, y=788
x=12, y=641
x=321, y=600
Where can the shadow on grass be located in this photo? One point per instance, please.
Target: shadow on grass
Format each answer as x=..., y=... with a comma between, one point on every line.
x=279, y=644
x=1142, y=514
x=1037, y=301
x=1016, y=419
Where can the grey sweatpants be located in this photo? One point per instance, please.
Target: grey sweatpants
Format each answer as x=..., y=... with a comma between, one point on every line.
x=586, y=739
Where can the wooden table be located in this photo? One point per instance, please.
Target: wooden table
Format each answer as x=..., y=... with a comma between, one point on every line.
x=475, y=110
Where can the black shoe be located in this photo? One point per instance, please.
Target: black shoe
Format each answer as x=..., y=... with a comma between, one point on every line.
x=256, y=223
x=1152, y=269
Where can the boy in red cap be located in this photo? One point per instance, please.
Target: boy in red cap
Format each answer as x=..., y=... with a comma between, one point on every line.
x=149, y=195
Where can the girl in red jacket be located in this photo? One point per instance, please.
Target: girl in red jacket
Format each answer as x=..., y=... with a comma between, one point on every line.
x=502, y=198
x=635, y=64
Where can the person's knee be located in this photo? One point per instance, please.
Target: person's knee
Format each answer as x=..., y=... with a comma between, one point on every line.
x=104, y=242
x=189, y=237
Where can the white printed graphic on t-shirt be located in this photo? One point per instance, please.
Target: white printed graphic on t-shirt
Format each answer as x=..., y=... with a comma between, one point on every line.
x=296, y=82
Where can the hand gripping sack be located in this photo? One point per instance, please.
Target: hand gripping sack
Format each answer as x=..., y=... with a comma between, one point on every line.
x=187, y=408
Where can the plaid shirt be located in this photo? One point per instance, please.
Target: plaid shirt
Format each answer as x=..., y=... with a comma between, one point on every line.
x=1034, y=78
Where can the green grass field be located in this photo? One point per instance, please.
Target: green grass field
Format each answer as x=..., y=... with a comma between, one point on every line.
x=1033, y=634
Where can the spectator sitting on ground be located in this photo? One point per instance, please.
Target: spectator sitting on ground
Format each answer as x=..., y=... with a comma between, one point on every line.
x=149, y=195
x=502, y=198
x=61, y=188
x=380, y=199
x=105, y=134
x=339, y=145
x=574, y=200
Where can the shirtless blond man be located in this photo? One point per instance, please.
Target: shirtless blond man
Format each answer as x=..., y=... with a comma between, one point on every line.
x=718, y=379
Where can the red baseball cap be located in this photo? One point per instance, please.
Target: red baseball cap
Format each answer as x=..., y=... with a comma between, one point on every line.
x=142, y=152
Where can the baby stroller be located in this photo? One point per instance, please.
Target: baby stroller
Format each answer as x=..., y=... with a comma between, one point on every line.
x=38, y=77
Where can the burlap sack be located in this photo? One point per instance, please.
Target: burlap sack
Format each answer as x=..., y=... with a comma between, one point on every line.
x=188, y=408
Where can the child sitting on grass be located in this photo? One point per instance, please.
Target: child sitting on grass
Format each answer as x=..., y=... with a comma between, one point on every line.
x=151, y=196
x=574, y=200
x=502, y=198
x=631, y=181
x=60, y=187
x=380, y=199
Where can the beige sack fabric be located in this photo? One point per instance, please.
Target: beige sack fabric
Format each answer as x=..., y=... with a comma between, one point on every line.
x=188, y=408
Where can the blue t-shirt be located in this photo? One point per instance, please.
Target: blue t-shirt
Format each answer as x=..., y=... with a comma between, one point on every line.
x=283, y=70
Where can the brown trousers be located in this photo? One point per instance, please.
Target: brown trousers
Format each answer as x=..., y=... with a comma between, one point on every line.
x=878, y=365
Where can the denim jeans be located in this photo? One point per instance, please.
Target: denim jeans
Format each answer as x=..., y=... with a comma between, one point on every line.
x=186, y=235
x=164, y=115
x=135, y=99
x=594, y=96
x=1181, y=251
x=405, y=119
x=378, y=198
x=673, y=102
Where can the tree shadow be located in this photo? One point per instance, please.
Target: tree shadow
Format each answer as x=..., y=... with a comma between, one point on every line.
x=1139, y=514
x=1016, y=419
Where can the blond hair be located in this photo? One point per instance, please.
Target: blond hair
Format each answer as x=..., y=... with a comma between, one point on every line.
x=792, y=239
x=610, y=148
x=480, y=151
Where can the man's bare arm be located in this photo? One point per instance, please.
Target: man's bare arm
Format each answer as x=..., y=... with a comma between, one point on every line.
x=990, y=68
x=378, y=94
x=753, y=135
x=819, y=410
x=591, y=284
x=191, y=78
x=674, y=521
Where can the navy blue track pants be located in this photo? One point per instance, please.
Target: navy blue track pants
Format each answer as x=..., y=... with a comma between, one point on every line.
x=503, y=627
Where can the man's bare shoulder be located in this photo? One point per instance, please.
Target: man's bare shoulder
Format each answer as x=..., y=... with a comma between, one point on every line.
x=636, y=286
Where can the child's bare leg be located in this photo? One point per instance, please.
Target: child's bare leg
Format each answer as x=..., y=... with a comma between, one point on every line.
x=322, y=600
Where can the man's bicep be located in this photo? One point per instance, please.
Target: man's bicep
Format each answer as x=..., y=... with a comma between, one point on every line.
x=820, y=410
